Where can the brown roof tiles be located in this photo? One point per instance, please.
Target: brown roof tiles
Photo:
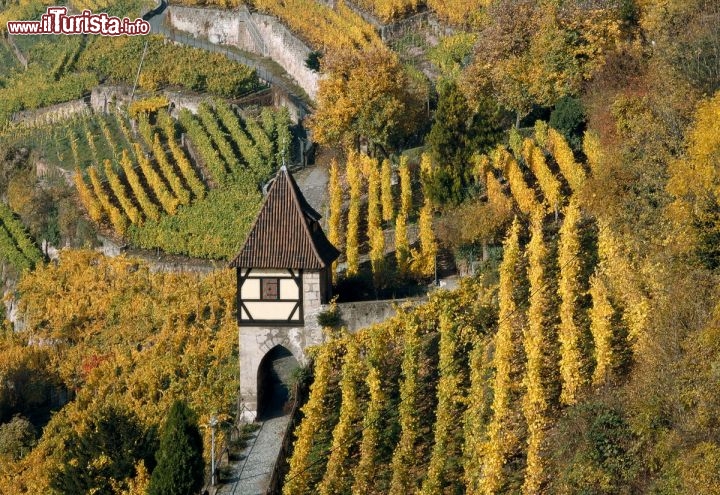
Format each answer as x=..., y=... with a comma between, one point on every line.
x=286, y=232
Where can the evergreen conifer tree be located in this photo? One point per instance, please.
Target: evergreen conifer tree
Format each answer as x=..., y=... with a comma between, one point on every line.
x=180, y=465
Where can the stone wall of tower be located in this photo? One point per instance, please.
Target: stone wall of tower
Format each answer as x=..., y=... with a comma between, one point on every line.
x=256, y=342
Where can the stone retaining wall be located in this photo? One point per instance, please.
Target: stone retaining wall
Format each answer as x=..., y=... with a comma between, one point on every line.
x=236, y=28
x=360, y=314
x=51, y=114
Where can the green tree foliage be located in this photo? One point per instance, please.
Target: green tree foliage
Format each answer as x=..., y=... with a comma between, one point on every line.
x=180, y=466
x=104, y=453
x=568, y=118
x=17, y=437
x=456, y=134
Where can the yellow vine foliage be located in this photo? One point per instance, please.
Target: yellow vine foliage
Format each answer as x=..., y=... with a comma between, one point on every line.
x=497, y=198
x=549, y=185
x=120, y=193
x=573, y=364
x=129, y=336
x=560, y=150
x=592, y=150
x=458, y=12
x=405, y=188
x=601, y=327
x=326, y=28
x=388, y=203
x=450, y=399
x=403, y=460
x=176, y=185
x=87, y=197
x=365, y=471
x=117, y=219
x=623, y=283
x=352, y=247
x=376, y=235
x=155, y=182
x=372, y=173
x=335, y=217
x=387, y=10
x=402, y=249
x=426, y=170
x=147, y=105
x=524, y=195
x=298, y=479
x=186, y=169
x=474, y=420
x=148, y=207
x=504, y=428
x=337, y=478
x=423, y=261
x=537, y=343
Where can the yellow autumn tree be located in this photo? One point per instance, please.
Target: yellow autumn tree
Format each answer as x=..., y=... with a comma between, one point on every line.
x=694, y=184
x=365, y=95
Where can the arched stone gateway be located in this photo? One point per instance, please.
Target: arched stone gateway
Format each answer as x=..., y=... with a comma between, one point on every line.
x=274, y=382
x=283, y=281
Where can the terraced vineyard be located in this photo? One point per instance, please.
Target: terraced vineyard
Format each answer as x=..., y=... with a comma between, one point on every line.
x=147, y=187
x=16, y=247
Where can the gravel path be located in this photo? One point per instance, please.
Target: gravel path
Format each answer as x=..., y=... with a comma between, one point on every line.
x=252, y=473
x=313, y=182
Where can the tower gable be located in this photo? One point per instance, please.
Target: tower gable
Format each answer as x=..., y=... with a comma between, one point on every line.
x=286, y=233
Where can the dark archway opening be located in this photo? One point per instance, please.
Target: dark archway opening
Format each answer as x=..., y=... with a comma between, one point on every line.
x=274, y=382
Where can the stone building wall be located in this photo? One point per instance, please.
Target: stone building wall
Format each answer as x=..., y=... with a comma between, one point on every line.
x=256, y=342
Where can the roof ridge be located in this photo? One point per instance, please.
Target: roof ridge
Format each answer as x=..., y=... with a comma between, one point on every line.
x=276, y=240
x=296, y=200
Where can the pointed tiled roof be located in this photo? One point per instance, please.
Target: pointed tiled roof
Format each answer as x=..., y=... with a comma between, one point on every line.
x=286, y=232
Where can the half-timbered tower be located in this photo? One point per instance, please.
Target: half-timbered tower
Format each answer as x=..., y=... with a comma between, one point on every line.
x=283, y=279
